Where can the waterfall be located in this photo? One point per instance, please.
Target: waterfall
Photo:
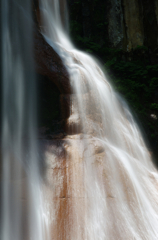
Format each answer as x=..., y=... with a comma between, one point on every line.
x=105, y=185
x=120, y=180
x=22, y=207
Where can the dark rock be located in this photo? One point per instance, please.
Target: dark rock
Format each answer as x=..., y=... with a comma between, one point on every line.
x=48, y=63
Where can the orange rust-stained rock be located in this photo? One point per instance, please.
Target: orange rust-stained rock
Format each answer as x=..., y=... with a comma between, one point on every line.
x=64, y=187
x=72, y=169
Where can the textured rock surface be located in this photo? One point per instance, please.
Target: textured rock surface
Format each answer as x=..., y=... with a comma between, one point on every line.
x=127, y=24
x=77, y=168
x=116, y=26
x=64, y=178
x=134, y=24
x=49, y=64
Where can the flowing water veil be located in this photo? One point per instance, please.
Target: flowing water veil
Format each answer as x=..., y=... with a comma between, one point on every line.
x=22, y=208
x=107, y=186
x=121, y=187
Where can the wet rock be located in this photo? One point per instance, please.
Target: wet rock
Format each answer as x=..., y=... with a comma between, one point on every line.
x=48, y=63
x=71, y=115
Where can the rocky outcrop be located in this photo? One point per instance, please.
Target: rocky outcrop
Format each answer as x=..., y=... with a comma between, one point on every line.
x=116, y=25
x=127, y=24
x=65, y=187
x=133, y=24
x=49, y=64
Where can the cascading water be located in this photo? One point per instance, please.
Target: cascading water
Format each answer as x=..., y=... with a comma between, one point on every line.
x=120, y=196
x=104, y=183
x=22, y=209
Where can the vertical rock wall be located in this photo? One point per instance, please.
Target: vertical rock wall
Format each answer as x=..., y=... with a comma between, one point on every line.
x=140, y=20
x=128, y=23
x=115, y=26
x=133, y=23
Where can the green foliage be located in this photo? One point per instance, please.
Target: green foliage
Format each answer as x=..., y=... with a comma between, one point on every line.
x=75, y=27
x=144, y=48
x=154, y=106
x=98, y=36
x=137, y=81
x=83, y=42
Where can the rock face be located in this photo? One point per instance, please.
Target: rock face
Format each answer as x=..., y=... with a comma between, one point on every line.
x=128, y=24
x=64, y=187
x=64, y=179
x=116, y=27
x=49, y=64
x=133, y=24
x=82, y=191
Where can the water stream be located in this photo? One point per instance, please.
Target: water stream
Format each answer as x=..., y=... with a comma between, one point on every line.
x=114, y=184
x=121, y=198
x=22, y=202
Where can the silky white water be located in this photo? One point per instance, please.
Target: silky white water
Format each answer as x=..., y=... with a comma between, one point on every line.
x=22, y=207
x=121, y=202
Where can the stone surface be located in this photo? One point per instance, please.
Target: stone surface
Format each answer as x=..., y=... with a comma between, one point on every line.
x=47, y=61
x=116, y=26
x=79, y=181
x=134, y=25
x=65, y=184
x=127, y=24
x=49, y=64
